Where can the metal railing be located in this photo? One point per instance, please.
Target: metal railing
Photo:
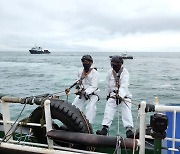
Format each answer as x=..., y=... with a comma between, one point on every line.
x=158, y=108
x=8, y=130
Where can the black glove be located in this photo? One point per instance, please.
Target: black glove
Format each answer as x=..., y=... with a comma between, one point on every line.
x=115, y=91
x=108, y=96
x=85, y=95
x=67, y=91
x=78, y=93
x=118, y=99
x=77, y=86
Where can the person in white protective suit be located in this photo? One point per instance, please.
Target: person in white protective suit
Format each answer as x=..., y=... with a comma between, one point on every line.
x=118, y=94
x=87, y=89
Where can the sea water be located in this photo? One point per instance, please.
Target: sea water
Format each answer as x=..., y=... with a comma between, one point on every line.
x=151, y=74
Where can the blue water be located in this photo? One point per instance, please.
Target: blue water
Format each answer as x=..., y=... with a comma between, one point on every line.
x=151, y=74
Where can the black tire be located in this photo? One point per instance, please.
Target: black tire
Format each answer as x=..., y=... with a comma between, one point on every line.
x=38, y=132
x=65, y=112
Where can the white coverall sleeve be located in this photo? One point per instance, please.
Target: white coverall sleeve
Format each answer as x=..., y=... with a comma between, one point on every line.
x=107, y=84
x=124, y=83
x=79, y=74
x=94, y=80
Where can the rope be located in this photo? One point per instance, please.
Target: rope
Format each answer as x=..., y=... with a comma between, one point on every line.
x=59, y=92
x=85, y=122
x=91, y=148
x=118, y=145
x=118, y=121
x=132, y=103
x=22, y=122
x=67, y=97
x=125, y=100
x=125, y=146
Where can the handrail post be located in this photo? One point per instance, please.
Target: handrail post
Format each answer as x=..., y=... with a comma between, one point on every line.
x=6, y=118
x=157, y=145
x=142, y=127
x=174, y=129
x=48, y=121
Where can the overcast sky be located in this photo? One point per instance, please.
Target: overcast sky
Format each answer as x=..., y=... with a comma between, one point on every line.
x=94, y=25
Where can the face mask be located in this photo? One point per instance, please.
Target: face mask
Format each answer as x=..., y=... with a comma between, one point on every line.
x=86, y=67
x=116, y=68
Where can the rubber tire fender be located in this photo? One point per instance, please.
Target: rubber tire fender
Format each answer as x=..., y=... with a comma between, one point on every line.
x=63, y=111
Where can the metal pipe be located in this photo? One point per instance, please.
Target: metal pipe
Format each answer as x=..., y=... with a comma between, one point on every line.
x=6, y=117
x=66, y=149
x=174, y=131
x=142, y=127
x=163, y=108
x=48, y=121
x=7, y=99
x=23, y=148
x=27, y=124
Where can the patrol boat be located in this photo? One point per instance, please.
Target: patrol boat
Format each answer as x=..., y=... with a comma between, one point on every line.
x=38, y=133
x=124, y=56
x=38, y=50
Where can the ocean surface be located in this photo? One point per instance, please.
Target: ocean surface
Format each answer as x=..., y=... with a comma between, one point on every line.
x=151, y=74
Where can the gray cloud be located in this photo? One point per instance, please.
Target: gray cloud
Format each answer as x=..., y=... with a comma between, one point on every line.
x=68, y=24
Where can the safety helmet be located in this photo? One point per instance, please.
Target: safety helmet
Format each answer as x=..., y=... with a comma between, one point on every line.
x=87, y=57
x=117, y=59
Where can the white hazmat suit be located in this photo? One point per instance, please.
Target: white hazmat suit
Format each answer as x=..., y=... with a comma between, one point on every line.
x=124, y=93
x=90, y=85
